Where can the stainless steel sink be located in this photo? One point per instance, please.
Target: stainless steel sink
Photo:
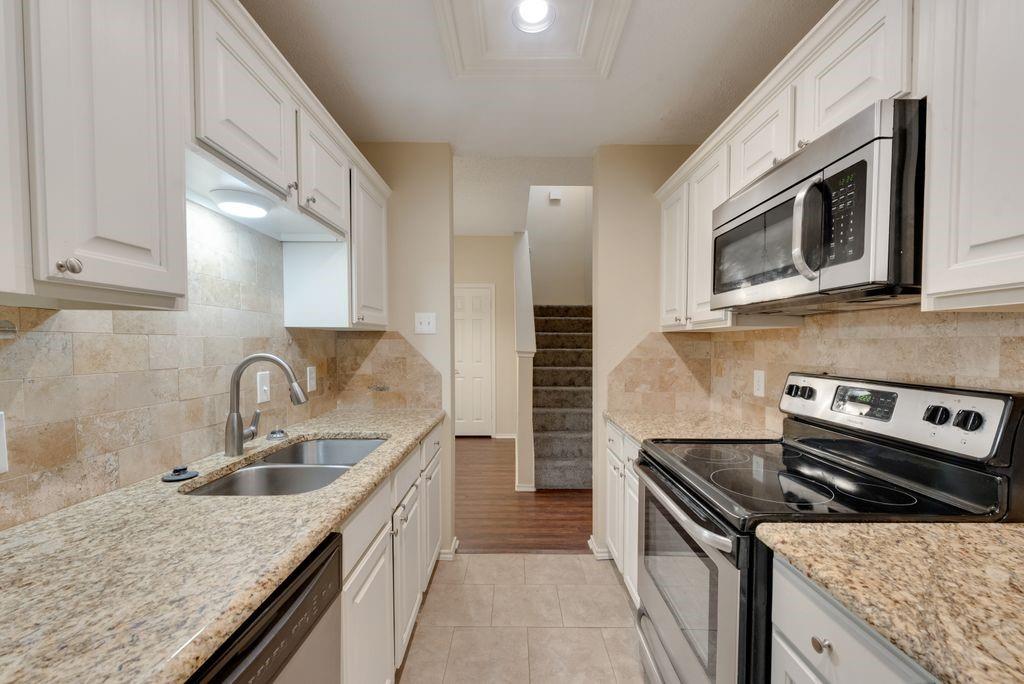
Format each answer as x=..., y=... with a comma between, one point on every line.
x=345, y=452
x=272, y=479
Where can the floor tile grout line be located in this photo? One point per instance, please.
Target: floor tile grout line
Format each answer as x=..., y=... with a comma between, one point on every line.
x=444, y=670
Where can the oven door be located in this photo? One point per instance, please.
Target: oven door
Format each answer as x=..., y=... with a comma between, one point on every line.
x=689, y=587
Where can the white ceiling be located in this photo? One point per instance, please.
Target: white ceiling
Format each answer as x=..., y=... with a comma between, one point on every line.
x=681, y=66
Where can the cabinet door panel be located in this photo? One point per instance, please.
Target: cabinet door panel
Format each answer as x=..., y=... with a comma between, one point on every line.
x=613, y=483
x=369, y=253
x=762, y=141
x=431, y=520
x=108, y=107
x=787, y=666
x=242, y=108
x=673, y=260
x=407, y=521
x=324, y=184
x=367, y=631
x=867, y=61
x=975, y=238
x=15, y=267
x=708, y=187
x=630, y=530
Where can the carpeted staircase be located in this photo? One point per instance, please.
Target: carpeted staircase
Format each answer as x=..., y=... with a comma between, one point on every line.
x=562, y=397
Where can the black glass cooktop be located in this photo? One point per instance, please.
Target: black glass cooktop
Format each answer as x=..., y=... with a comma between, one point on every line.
x=756, y=481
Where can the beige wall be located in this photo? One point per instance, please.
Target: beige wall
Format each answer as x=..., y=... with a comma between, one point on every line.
x=96, y=400
x=420, y=274
x=488, y=259
x=560, y=244
x=626, y=233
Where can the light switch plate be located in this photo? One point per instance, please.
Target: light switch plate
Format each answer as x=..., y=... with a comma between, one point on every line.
x=426, y=323
x=759, y=383
x=262, y=387
x=3, y=443
x=310, y=378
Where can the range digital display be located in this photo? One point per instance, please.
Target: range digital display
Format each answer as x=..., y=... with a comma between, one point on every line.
x=860, y=401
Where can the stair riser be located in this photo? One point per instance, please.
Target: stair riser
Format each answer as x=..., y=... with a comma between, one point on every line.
x=561, y=398
x=564, y=448
x=561, y=357
x=562, y=474
x=561, y=377
x=563, y=341
x=554, y=311
x=568, y=325
x=552, y=422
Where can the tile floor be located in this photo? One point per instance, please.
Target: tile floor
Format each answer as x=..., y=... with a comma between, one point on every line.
x=524, y=618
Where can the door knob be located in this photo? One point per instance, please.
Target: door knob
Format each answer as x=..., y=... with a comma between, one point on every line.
x=70, y=265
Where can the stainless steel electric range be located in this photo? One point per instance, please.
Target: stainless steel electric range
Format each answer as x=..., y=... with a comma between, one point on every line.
x=852, y=450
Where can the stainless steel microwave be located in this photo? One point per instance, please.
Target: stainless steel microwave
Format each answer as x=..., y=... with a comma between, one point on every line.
x=834, y=226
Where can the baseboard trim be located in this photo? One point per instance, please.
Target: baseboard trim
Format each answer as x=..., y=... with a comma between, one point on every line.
x=525, y=488
x=503, y=436
x=449, y=553
x=600, y=552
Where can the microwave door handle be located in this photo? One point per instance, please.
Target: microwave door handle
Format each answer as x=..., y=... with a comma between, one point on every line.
x=799, y=259
x=715, y=541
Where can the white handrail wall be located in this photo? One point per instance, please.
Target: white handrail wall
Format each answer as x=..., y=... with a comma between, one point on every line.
x=526, y=347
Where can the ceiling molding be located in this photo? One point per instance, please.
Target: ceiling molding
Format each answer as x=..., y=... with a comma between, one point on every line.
x=479, y=40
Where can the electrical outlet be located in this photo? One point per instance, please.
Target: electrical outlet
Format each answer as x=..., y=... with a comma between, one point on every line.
x=759, y=383
x=310, y=378
x=3, y=443
x=426, y=324
x=262, y=387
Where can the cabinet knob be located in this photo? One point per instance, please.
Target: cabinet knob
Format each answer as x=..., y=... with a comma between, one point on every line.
x=311, y=200
x=69, y=265
x=821, y=645
x=678, y=319
x=294, y=185
x=775, y=161
x=360, y=317
x=801, y=144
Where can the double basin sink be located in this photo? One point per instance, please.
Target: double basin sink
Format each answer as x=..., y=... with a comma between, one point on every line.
x=295, y=469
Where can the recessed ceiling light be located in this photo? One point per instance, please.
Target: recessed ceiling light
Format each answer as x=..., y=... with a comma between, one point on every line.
x=242, y=203
x=533, y=16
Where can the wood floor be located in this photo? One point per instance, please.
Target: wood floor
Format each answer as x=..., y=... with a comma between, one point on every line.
x=491, y=517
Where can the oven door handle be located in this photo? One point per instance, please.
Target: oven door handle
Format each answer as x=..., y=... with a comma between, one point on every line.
x=799, y=258
x=645, y=647
x=715, y=541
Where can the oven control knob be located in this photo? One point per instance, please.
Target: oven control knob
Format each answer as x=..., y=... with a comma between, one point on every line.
x=937, y=415
x=807, y=392
x=793, y=390
x=968, y=420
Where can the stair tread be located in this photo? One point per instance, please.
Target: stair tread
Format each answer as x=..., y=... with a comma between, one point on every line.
x=567, y=409
x=563, y=318
x=555, y=332
x=565, y=433
x=564, y=387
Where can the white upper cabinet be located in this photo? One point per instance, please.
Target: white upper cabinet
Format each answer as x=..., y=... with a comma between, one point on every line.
x=369, y=253
x=708, y=187
x=974, y=239
x=243, y=108
x=324, y=172
x=762, y=141
x=866, y=58
x=107, y=94
x=15, y=269
x=673, y=260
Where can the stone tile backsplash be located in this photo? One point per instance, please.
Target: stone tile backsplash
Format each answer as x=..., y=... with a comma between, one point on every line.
x=677, y=371
x=96, y=400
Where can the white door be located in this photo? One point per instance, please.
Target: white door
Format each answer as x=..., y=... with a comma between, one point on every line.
x=408, y=550
x=323, y=175
x=367, y=631
x=242, y=108
x=673, y=260
x=761, y=142
x=474, y=360
x=709, y=187
x=613, y=481
x=868, y=61
x=369, y=253
x=974, y=242
x=108, y=114
x=432, y=519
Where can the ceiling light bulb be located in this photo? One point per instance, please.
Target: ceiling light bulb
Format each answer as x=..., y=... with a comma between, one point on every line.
x=242, y=203
x=533, y=16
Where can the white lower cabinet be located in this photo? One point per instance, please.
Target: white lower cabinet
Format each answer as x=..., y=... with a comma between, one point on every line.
x=368, y=617
x=431, y=486
x=408, y=547
x=630, y=520
x=815, y=639
x=613, y=506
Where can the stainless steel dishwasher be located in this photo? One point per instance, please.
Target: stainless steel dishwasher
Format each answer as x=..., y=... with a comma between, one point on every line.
x=295, y=635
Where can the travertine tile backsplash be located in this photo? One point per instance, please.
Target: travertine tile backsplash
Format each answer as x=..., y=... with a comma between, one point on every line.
x=95, y=400
x=678, y=371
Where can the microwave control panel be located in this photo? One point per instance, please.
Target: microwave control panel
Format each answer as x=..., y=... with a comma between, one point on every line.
x=844, y=225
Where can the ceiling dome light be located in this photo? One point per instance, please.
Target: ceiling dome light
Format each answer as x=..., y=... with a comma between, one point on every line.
x=533, y=16
x=242, y=203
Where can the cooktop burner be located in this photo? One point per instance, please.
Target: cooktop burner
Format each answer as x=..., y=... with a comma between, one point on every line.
x=876, y=493
x=712, y=454
x=772, y=485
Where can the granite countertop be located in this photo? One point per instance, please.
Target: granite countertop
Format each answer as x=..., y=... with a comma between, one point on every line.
x=696, y=425
x=949, y=595
x=143, y=583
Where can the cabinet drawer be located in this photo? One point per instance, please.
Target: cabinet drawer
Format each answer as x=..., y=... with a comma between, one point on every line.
x=854, y=653
x=406, y=475
x=614, y=438
x=430, y=447
x=362, y=527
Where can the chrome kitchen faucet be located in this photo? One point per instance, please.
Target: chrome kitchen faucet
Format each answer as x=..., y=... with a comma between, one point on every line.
x=234, y=434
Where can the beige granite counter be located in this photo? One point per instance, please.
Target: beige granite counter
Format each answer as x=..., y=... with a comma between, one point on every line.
x=142, y=584
x=949, y=595
x=691, y=425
